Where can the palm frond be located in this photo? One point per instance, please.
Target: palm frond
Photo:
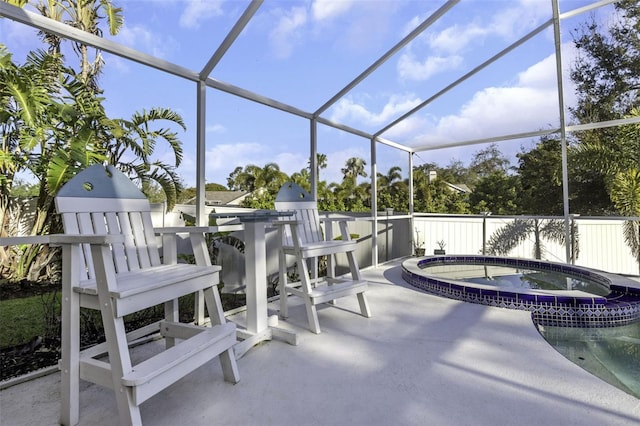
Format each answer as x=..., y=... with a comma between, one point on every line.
x=631, y=234
x=114, y=16
x=625, y=192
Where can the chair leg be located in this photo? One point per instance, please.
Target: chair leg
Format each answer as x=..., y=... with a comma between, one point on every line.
x=229, y=366
x=216, y=315
x=70, y=360
x=171, y=314
x=312, y=316
x=353, y=266
x=305, y=286
x=120, y=362
x=364, y=305
x=129, y=412
x=282, y=284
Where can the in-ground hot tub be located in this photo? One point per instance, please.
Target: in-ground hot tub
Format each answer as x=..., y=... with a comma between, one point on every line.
x=556, y=294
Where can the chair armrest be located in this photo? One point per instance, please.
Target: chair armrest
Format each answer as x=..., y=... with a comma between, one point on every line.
x=285, y=222
x=59, y=239
x=338, y=219
x=342, y=223
x=182, y=230
x=198, y=229
x=26, y=239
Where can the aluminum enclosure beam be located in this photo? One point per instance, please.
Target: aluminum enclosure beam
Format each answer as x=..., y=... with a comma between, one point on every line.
x=514, y=136
x=65, y=31
x=264, y=100
x=231, y=38
x=603, y=124
x=465, y=77
x=413, y=34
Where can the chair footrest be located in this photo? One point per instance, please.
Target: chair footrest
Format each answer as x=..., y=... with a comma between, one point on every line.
x=160, y=371
x=340, y=288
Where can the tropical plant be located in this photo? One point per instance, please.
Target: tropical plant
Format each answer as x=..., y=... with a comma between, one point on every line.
x=48, y=123
x=486, y=162
x=132, y=145
x=86, y=15
x=392, y=190
x=54, y=124
x=434, y=195
x=540, y=171
x=262, y=182
x=497, y=193
x=619, y=162
x=605, y=71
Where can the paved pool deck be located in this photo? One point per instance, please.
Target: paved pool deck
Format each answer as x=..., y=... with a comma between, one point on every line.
x=420, y=360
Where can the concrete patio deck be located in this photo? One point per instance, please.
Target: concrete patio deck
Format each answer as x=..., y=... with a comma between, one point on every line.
x=420, y=360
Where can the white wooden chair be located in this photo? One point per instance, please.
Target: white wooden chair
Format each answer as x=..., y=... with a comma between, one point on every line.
x=111, y=263
x=302, y=237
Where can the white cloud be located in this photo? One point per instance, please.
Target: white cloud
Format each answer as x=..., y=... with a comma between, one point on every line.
x=507, y=23
x=349, y=110
x=198, y=11
x=410, y=68
x=499, y=110
x=456, y=37
x=329, y=9
x=215, y=128
x=346, y=24
x=529, y=104
x=287, y=32
x=141, y=38
x=523, y=16
x=445, y=47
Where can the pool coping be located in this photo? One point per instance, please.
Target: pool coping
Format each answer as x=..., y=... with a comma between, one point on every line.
x=620, y=307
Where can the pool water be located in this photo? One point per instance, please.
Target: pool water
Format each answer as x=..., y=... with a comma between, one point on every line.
x=515, y=277
x=612, y=354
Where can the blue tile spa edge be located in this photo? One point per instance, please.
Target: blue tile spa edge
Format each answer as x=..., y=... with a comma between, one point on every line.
x=620, y=307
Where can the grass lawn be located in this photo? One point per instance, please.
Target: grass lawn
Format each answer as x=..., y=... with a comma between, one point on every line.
x=22, y=319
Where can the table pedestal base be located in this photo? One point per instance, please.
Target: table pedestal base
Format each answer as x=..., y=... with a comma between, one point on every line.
x=249, y=339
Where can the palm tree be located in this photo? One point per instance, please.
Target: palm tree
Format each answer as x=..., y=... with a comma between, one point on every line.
x=263, y=182
x=351, y=196
x=302, y=178
x=132, y=145
x=353, y=168
x=48, y=124
x=133, y=136
x=619, y=161
x=390, y=188
x=271, y=178
x=321, y=163
x=86, y=15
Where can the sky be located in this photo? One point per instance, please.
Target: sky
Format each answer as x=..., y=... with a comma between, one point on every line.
x=302, y=52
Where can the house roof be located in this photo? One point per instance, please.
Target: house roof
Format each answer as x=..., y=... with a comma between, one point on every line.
x=224, y=197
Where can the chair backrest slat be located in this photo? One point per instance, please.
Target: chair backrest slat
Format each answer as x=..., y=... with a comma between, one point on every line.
x=70, y=224
x=118, y=253
x=151, y=240
x=293, y=197
x=103, y=200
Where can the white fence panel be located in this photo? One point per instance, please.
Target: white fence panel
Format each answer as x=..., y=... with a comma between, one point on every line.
x=601, y=242
x=602, y=246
